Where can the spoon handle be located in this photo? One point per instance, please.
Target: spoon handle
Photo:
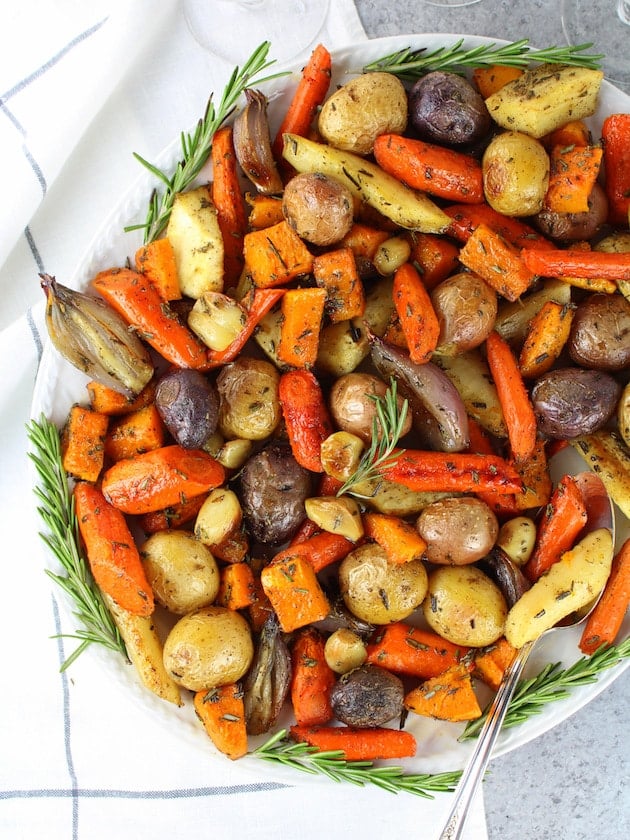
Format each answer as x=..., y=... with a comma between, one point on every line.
x=478, y=761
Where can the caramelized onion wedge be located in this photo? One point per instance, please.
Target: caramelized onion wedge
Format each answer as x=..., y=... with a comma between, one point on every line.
x=252, y=144
x=267, y=682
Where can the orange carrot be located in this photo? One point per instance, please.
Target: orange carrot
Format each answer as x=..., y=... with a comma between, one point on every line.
x=83, y=443
x=306, y=416
x=424, y=470
x=107, y=401
x=499, y=262
x=547, y=333
x=265, y=210
x=434, y=256
x=311, y=679
x=489, y=80
x=228, y=201
x=309, y=95
x=275, y=255
x=364, y=240
x=572, y=175
x=358, y=744
x=404, y=649
x=534, y=474
x=604, y=623
x=616, y=143
x=560, y=523
x=160, y=478
x=502, y=504
x=236, y=587
x=573, y=133
x=294, y=592
x=134, y=297
x=156, y=260
x=450, y=696
x=134, y=433
x=466, y=217
x=233, y=548
x=417, y=316
x=399, y=539
x=302, y=313
x=578, y=263
x=591, y=284
x=515, y=403
x=221, y=710
x=172, y=517
x=111, y=551
x=441, y=172
x=492, y=662
x=336, y=272
x=319, y=550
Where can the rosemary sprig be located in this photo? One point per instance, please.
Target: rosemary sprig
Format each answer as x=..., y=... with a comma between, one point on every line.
x=56, y=509
x=387, y=428
x=411, y=64
x=196, y=146
x=553, y=683
x=279, y=750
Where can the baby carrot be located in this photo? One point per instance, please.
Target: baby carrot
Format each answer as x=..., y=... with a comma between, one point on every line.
x=616, y=143
x=227, y=197
x=417, y=315
x=405, y=649
x=306, y=416
x=311, y=679
x=221, y=710
x=604, y=622
x=358, y=744
x=578, y=263
x=424, y=470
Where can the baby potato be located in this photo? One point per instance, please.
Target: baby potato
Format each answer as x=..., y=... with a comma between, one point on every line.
x=517, y=537
x=209, y=647
x=457, y=530
x=319, y=208
x=464, y=606
x=249, y=407
x=378, y=591
x=515, y=174
x=181, y=570
x=344, y=651
x=466, y=308
x=352, y=406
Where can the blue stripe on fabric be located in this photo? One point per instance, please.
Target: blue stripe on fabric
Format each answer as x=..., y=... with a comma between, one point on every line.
x=37, y=339
x=33, y=249
x=183, y=793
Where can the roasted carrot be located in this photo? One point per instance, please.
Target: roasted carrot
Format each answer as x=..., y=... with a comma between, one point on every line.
x=358, y=744
x=156, y=260
x=466, y=217
x=399, y=539
x=559, y=524
x=107, y=401
x=450, y=696
x=112, y=554
x=309, y=95
x=364, y=240
x=424, y=470
x=221, y=710
x=515, y=402
x=536, y=479
x=491, y=662
x=573, y=173
x=233, y=548
x=578, y=263
x=492, y=257
x=306, y=416
x=275, y=255
x=295, y=593
x=302, y=314
x=616, y=143
x=311, y=679
x=489, y=80
x=404, y=649
x=502, y=504
x=83, y=443
x=228, y=200
x=441, y=172
x=134, y=297
x=590, y=284
x=160, y=478
x=336, y=272
x=134, y=433
x=319, y=550
x=547, y=333
x=236, y=586
x=435, y=257
x=172, y=517
x=604, y=623
x=573, y=133
x=264, y=210
x=260, y=609
x=417, y=315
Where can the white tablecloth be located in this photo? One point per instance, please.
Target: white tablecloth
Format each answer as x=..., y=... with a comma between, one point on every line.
x=83, y=83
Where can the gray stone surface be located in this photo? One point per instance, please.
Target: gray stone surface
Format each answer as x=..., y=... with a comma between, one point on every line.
x=572, y=782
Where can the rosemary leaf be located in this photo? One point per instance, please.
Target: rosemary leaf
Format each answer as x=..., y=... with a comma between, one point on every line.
x=197, y=145
x=412, y=64
x=56, y=509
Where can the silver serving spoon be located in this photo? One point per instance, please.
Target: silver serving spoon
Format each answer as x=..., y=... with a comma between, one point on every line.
x=600, y=515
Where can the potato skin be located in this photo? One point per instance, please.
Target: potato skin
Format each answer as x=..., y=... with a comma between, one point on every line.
x=458, y=531
x=515, y=174
x=575, y=227
x=249, y=404
x=189, y=406
x=318, y=207
x=466, y=308
x=352, y=407
x=445, y=108
x=181, y=570
x=369, y=105
x=378, y=591
x=464, y=606
x=572, y=401
x=367, y=696
x=600, y=333
x=209, y=647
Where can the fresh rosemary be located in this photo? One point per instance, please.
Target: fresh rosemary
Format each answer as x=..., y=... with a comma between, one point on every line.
x=411, y=64
x=387, y=428
x=553, y=683
x=56, y=509
x=280, y=750
x=196, y=146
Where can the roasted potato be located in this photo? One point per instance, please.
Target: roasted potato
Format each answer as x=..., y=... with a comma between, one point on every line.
x=188, y=405
x=466, y=308
x=572, y=401
x=367, y=696
x=457, y=531
x=344, y=650
x=515, y=174
x=193, y=231
x=320, y=209
x=446, y=109
x=600, y=333
x=249, y=406
x=575, y=227
x=353, y=407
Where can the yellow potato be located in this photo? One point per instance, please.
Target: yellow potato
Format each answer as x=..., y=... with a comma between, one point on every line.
x=515, y=174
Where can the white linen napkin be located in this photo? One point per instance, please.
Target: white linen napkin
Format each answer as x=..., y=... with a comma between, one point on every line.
x=82, y=85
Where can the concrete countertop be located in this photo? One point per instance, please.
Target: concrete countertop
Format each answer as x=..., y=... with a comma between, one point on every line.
x=572, y=782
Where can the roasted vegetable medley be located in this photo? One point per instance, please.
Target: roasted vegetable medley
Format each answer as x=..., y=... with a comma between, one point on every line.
x=323, y=404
